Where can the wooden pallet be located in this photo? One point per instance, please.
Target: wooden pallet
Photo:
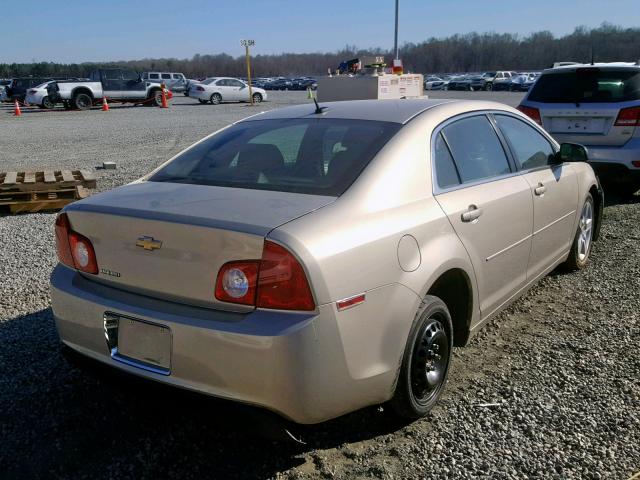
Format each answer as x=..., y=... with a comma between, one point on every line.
x=46, y=180
x=41, y=191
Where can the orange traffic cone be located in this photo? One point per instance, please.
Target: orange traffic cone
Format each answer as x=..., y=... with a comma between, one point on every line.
x=164, y=99
x=16, y=109
x=105, y=105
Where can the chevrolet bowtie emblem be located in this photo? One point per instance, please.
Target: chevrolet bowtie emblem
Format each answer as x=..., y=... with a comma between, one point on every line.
x=148, y=243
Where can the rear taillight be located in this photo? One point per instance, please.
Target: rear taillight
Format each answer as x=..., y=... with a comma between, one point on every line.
x=33, y=92
x=282, y=282
x=74, y=250
x=628, y=117
x=62, y=240
x=532, y=113
x=277, y=281
x=200, y=89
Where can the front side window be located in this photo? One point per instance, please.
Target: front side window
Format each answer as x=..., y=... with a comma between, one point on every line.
x=314, y=156
x=234, y=83
x=476, y=149
x=166, y=76
x=530, y=148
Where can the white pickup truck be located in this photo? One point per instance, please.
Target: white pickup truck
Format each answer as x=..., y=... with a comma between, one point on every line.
x=115, y=84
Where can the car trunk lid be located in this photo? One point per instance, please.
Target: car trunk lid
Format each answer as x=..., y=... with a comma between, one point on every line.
x=168, y=240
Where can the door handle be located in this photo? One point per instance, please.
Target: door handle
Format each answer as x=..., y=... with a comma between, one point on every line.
x=473, y=213
x=540, y=189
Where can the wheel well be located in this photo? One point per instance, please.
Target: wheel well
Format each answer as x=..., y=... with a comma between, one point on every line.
x=82, y=90
x=597, y=204
x=454, y=288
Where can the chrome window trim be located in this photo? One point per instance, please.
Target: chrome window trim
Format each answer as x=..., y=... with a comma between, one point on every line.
x=434, y=179
x=436, y=190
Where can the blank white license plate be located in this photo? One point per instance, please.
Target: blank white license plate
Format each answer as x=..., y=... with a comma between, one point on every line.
x=144, y=342
x=578, y=125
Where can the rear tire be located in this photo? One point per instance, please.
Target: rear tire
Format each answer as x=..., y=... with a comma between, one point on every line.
x=426, y=360
x=82, y=101
x=583, y=239
x=47, y=103
x=216, y=99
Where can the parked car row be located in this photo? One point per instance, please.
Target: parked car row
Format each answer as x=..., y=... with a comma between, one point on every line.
x=500, y=80
x=283, y=83
x=117, y=84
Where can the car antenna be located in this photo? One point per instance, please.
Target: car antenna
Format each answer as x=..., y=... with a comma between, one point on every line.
x=319, y=109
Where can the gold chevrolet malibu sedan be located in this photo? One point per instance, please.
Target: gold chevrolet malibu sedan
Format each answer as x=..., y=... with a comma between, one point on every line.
x=313, y=261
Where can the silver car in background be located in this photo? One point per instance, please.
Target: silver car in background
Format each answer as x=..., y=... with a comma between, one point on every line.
x=599, y=107
x=316, y=260
x=216, y=90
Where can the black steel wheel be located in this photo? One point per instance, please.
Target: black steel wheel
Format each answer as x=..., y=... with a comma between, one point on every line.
x=430, y=361
x=425, y=364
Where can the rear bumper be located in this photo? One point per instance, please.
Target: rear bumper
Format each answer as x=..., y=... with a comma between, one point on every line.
x=34, y=99
x=614, y=164
x=193, y=93
x=304, y=366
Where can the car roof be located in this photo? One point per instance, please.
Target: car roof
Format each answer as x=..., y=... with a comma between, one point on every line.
x=604, y=66
x=395, y=111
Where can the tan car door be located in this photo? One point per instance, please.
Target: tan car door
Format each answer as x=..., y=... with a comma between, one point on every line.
x=488, y=205
x=554, y=190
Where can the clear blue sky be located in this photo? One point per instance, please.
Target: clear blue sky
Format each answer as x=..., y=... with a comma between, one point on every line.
x=89, y=30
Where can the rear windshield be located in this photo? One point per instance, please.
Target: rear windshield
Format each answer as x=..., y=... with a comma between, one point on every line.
x=589, y=85
x=313, y=156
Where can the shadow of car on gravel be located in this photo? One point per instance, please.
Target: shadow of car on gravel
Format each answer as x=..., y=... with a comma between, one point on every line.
x=63, y=415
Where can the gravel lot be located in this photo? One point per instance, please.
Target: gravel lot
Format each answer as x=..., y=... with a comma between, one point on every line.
x=560, y=367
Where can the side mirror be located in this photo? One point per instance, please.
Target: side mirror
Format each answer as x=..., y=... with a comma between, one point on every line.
x=572, y=152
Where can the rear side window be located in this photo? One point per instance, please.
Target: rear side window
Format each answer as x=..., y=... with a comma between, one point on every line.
x=446, y=173
x=166, y=76
x=587, y=85
x=112, y=75
x=130, y=75
x=530, y=148
x=476, y=149
x=154, y=76
x=314, y=156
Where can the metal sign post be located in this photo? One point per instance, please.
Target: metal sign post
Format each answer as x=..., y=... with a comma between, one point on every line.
x=246, y=44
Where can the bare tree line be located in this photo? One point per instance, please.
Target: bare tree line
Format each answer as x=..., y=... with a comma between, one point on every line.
x=472, y=52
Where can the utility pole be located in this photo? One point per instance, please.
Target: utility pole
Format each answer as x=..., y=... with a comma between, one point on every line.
x=246, y=44
x=395, y=41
